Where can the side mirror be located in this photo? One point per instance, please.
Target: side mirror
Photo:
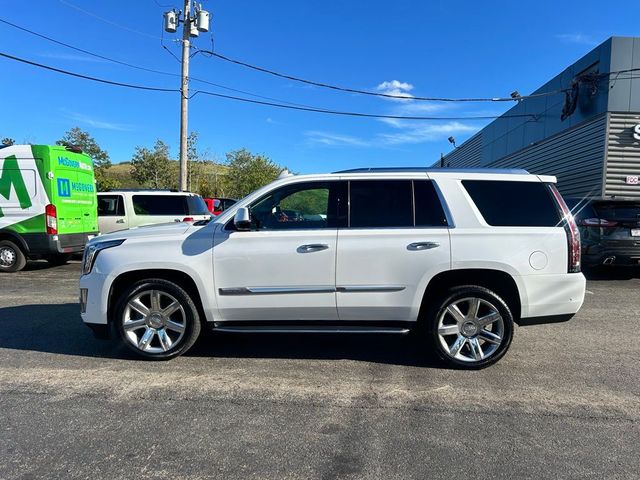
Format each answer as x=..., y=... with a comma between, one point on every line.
x=242, y=219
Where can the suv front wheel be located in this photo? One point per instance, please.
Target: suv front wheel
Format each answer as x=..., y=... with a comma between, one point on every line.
x=470, y=327
x=157, y=319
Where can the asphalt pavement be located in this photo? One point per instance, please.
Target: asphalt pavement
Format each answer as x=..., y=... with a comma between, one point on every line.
x=563, y=403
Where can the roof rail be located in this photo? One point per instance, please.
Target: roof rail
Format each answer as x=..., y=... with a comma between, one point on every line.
x=518, y=171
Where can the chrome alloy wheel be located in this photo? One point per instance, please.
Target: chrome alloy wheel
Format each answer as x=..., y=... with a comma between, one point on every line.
x=154, y=321
x=470, y=329
x=8, y=256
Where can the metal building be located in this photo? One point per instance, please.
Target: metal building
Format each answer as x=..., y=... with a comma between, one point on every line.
x=585, y=129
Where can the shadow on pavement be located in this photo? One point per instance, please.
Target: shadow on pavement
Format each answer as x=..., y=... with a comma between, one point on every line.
x=52, y=328
x=58, y=328
x=377, y=348
x=612, y=273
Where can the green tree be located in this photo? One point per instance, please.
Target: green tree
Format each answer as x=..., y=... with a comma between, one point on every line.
x=248, y=172
x=101, y=162
x=8, y=141
x=153, y=168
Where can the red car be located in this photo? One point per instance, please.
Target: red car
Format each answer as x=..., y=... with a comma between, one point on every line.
x=218, y=205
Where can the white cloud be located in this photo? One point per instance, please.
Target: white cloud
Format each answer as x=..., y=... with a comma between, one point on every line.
x=98, y=123
x=422, y=133
x=395, y=87
x=578, y=38
x=72, y=58
x=335, y=139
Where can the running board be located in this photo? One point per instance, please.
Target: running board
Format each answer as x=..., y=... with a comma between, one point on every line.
x=220, y=327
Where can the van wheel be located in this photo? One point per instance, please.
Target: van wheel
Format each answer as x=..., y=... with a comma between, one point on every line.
x=58, y=258
x=471, y=327
x=157, y=319
x=11, y=257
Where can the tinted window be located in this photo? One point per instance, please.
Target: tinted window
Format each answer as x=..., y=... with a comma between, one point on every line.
x=159, y=205
x=618, y=210
x=300, y=206
x=227, y=202
x=110, y=206
x=197, y=206
x=380, y=203
x=513, y=204
x=429, y=212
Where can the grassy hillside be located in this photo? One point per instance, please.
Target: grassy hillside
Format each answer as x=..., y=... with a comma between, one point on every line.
x=206, y=178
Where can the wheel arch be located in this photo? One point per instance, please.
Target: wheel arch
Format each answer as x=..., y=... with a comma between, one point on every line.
x=16, y=238
x=499, y=281
x=126, y=279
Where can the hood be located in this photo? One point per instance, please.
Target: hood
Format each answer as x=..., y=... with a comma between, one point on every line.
x=174, y=229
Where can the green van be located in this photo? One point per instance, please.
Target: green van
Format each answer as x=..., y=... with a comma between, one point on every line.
x=48, y=206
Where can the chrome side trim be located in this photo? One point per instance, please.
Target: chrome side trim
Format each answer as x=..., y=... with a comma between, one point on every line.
x=310, y=329
x=274, y=290
x=370, y=288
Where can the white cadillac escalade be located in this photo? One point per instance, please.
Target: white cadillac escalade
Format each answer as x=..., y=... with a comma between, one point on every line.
x=458, y=256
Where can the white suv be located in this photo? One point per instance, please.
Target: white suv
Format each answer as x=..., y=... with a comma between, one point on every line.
x=122, y=209
x=458, y=256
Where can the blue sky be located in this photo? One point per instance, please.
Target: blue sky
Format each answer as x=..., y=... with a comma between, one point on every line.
x=422, y=48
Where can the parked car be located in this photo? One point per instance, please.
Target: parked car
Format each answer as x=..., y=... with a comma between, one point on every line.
x=460, y=257
x=47, y=204
x=218, y=205
x=122, y=209
x=609, y=229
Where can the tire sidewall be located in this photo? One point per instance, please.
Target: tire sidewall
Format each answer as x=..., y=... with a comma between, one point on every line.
x=465, y=292
x=21, y=260
x=192, y=318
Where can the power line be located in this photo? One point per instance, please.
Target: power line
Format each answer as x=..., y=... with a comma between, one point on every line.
x=138, y=67
x=370, y=93
x=106, y=20
x=248, y=100
x=87, y=77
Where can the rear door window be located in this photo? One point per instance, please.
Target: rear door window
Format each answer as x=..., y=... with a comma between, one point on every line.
x=428, y=208
x=514, y=204
x=110, y=206
x=159, y=205
x=380, y=203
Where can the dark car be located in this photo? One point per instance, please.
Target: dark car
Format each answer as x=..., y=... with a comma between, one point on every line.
x=609, y=229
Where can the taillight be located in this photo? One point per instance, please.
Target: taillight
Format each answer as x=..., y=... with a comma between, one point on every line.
x=573, y=234
x=51, y=219
x=187, y=219
x=598, y=222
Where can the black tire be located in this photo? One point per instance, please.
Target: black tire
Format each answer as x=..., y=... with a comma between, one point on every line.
x=58, y=258
x=489, y=303
x=181, y=344
x=12, y=258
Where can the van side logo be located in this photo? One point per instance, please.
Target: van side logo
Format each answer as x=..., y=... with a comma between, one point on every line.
x=11, y=175
x=64, y=187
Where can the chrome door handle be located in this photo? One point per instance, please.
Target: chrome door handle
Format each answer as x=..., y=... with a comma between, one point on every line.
x=312, y=247
x=120, y=221
x=422, y=245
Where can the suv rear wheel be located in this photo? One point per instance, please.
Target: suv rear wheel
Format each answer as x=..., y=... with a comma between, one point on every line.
x=11, y=257
x=157, y=319
x=470, y=327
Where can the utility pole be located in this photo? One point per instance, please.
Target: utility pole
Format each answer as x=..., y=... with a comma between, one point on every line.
x=184, y=96
x=191, y=26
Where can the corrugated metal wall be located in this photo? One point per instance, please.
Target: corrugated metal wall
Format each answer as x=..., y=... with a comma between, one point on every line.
x=575, y=156
x=623, y=155
x=468, y=155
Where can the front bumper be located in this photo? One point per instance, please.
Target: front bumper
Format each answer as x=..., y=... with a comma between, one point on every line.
x=94, y=293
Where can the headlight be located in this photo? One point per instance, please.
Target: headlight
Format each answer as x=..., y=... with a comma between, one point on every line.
x=91, y=253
